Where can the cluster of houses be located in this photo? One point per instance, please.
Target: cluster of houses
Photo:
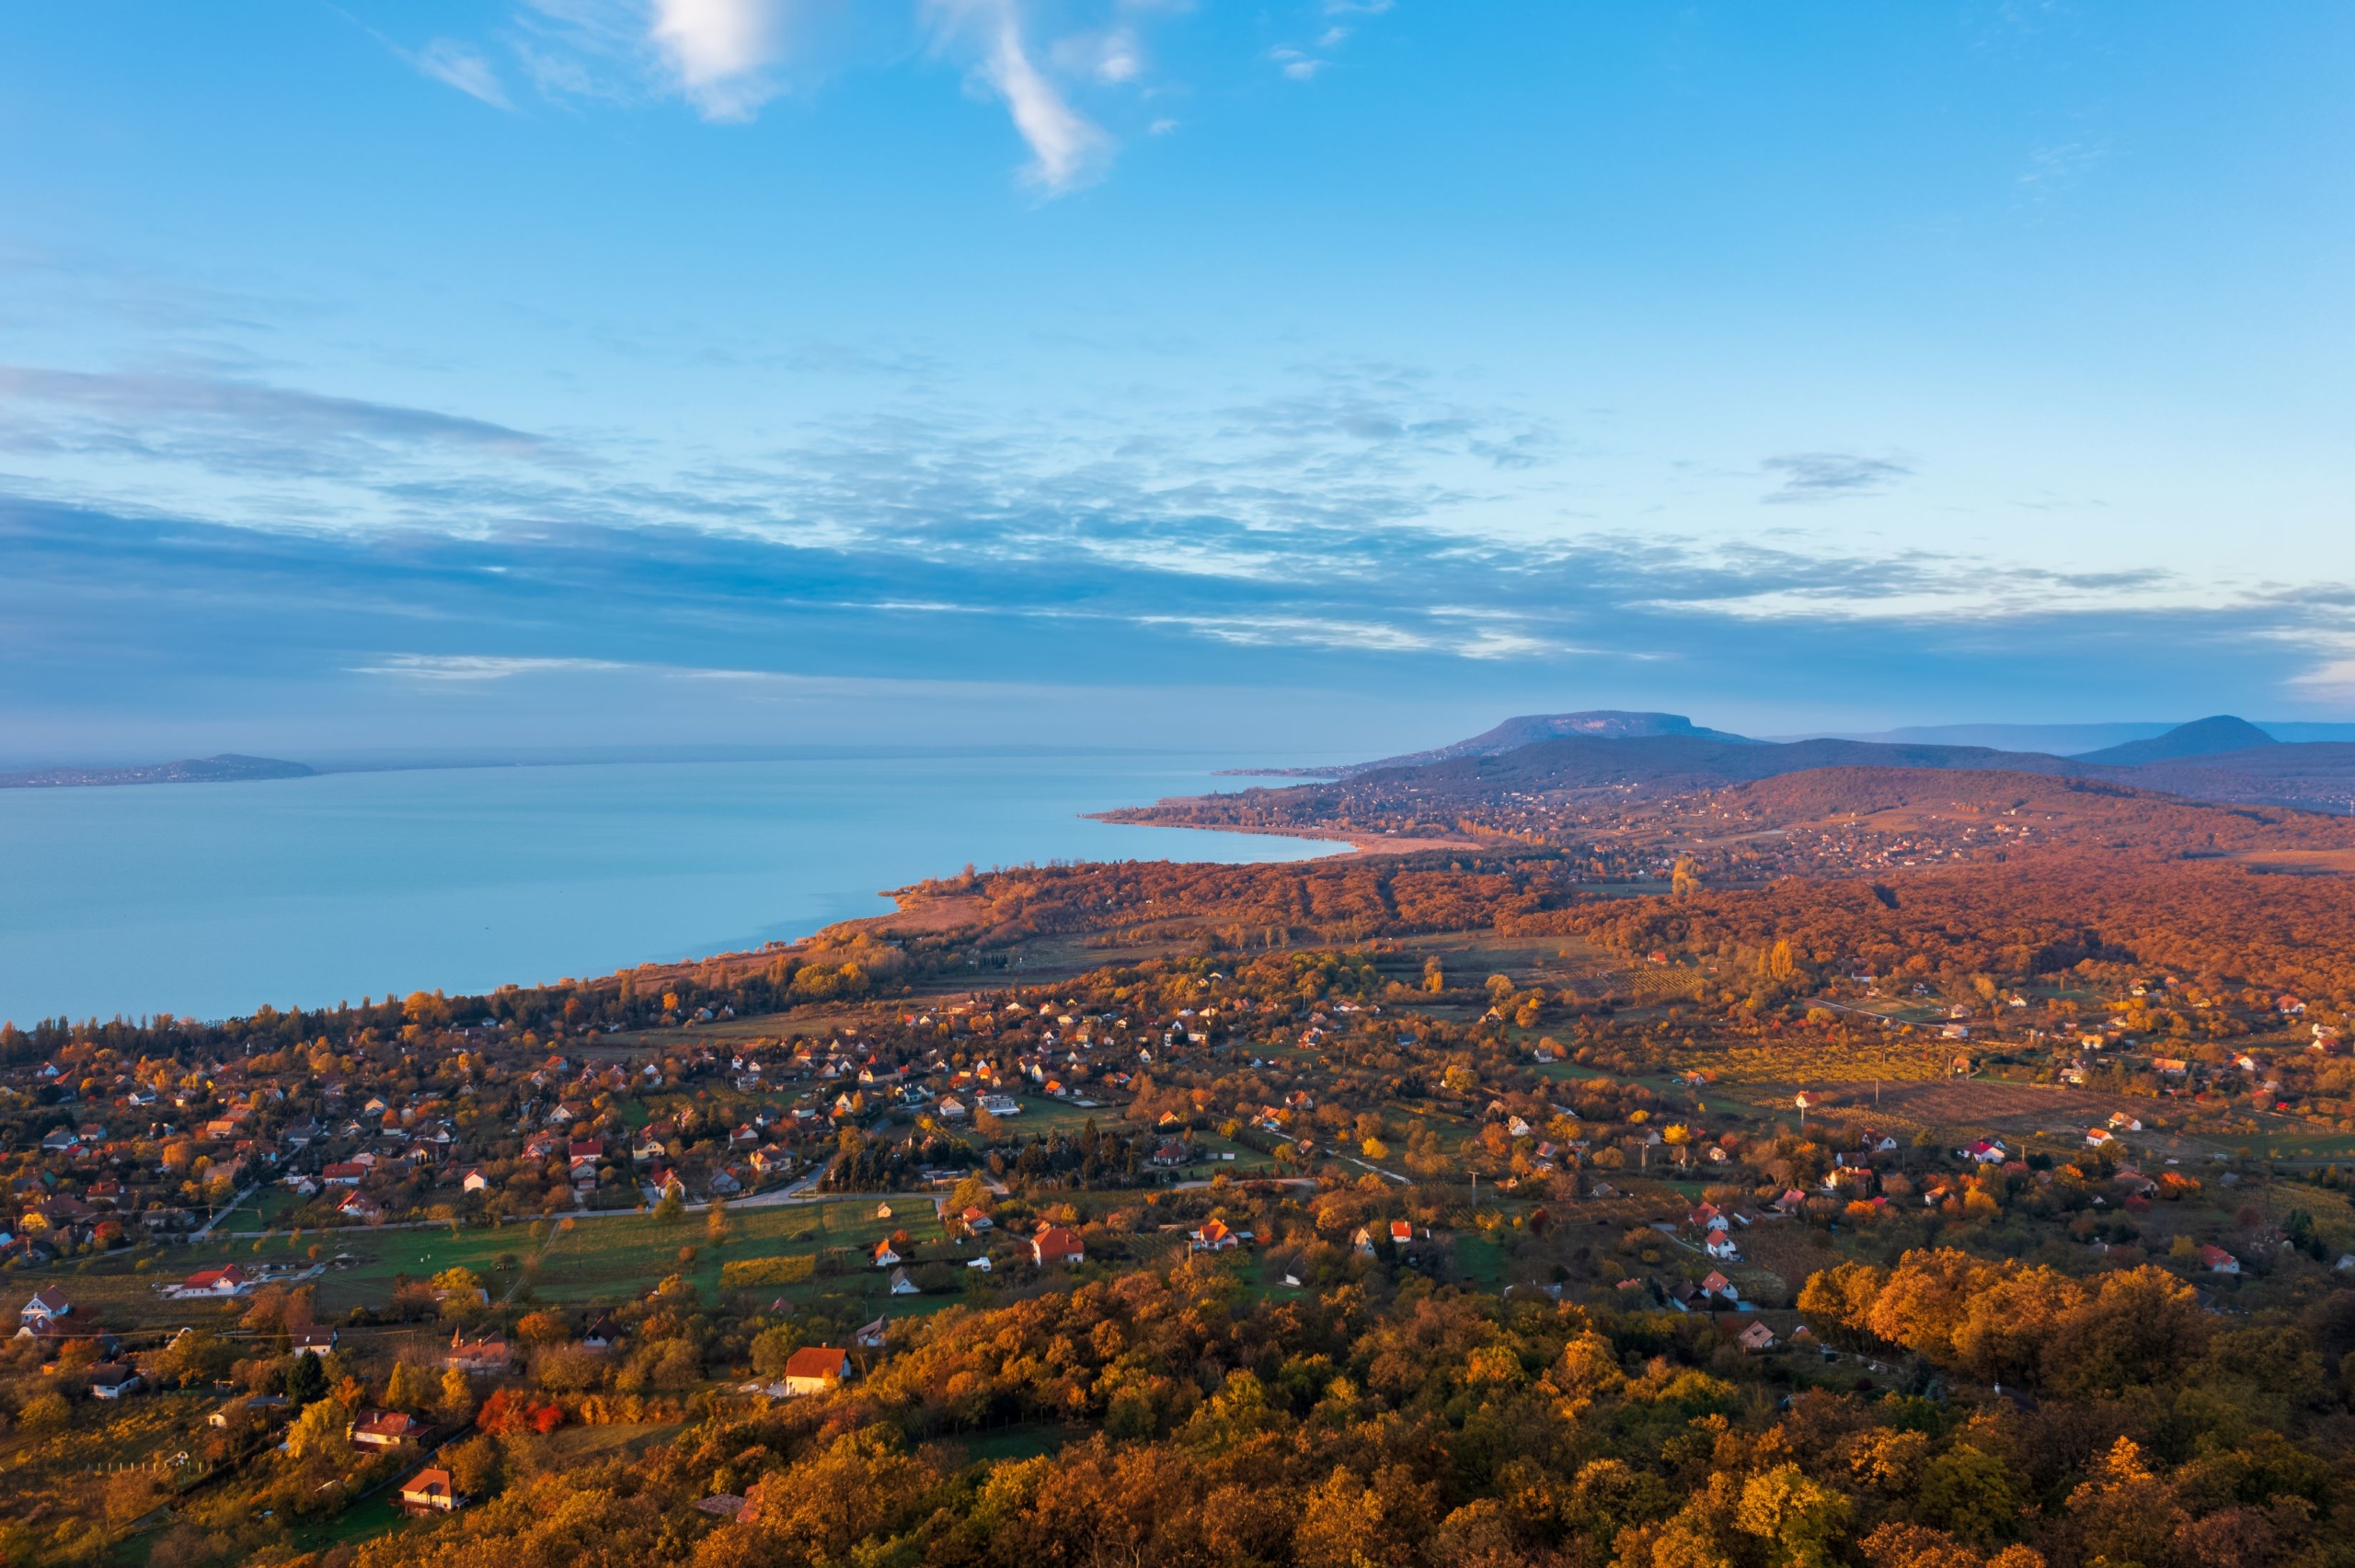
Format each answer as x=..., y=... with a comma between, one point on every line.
x=1050, y=1246
x=138, y=1147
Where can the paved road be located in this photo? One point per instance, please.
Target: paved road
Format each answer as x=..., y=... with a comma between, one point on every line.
x=226, y=1209
x=801, y=1192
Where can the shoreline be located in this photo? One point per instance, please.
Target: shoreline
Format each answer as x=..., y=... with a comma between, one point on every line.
x=1360, y=843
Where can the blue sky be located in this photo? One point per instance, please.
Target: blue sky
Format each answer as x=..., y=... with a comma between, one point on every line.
x=1323, y=376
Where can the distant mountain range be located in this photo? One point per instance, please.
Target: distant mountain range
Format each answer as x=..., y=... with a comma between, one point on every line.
x=2221, y=757
x=227, y=768
x=2063, y=740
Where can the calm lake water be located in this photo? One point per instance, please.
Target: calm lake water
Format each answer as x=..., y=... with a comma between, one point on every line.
x=209, y=899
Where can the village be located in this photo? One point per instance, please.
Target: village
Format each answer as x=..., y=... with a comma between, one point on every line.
x=402, y=1254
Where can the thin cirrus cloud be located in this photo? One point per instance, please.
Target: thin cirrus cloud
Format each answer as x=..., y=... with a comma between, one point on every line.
x=147, y=396
x=458, y=65
x=728, y=59
x=444, y=60
x=125, y=602
x=1336, y=518
x=1303, y=63
x=1067, y=150
x=1811, y=477
x=475, y=666
x=193, y=435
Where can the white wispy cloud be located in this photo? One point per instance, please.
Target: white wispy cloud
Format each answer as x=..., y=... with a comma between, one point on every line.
x=1067, y=149
x=140, y=402
x=2334, y=680
x=1114, y=56
x=719, y=53
x=2050, y=167
x=446, y=60
x=475, y=666
x=1059, y=69
x=457, y=66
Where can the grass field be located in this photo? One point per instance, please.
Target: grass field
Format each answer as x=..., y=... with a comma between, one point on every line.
x=1865, y=1063
x=140, y=1431
x=596, y=1259
x=1027, y=1441
x=1042, y=1115
x=2293, y=1142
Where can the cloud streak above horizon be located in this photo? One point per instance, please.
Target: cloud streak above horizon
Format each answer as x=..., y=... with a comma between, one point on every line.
x=1362, y=507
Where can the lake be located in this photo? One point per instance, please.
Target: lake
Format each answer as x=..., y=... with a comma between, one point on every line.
x=209, y=899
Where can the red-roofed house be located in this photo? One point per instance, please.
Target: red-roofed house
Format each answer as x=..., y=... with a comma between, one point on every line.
x=814, y=1368
x=1057, y=1243
x=1215, y=1237
x=487, y=1355
x=431, y=1490
x=221, y=1282
x=385, y=1429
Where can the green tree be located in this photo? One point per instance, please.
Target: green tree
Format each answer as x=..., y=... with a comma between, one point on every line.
x=193, y=1358
x=319, y=1429
x=1801, y=1522
x=1973, y=1493
x=473, y=1466
x=306, y=1379
x=456, y=1405
x=409, y=1388
x=772, y=1348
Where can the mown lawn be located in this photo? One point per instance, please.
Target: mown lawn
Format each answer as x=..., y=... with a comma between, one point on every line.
x=1027, y=1441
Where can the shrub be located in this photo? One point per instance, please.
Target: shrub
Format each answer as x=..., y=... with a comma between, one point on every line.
x=767, y=1271
x=46, y=1412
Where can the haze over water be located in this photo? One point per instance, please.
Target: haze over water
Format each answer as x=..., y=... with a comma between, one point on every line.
x=210, y=899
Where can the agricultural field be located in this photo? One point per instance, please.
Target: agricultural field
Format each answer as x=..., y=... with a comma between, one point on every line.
x=1810, y=1063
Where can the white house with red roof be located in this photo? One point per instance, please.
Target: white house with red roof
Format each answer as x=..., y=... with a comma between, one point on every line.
x=1057, y=1243
x=216, y=1282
